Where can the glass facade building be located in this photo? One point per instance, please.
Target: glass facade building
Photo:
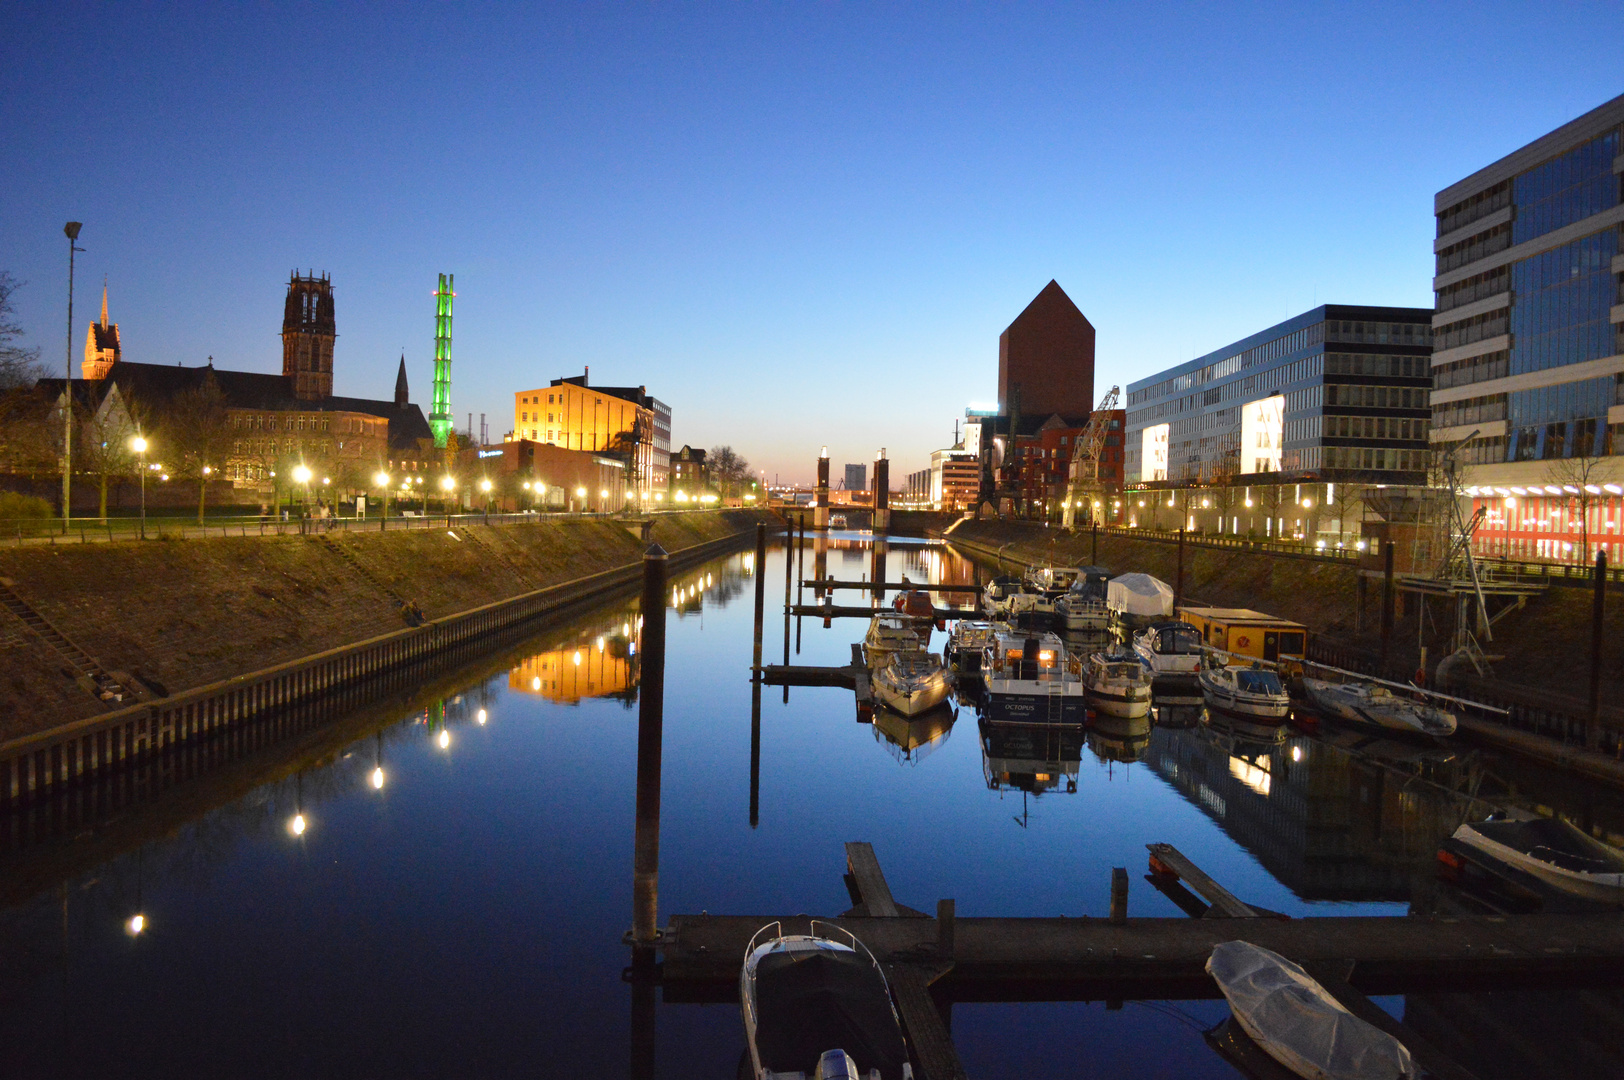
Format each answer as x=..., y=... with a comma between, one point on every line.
x=1339, y=393
x=1529, y=287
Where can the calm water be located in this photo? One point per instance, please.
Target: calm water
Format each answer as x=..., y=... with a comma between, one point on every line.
x=454, y=902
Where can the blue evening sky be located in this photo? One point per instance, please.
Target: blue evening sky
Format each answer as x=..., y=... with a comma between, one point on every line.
x=797, y=224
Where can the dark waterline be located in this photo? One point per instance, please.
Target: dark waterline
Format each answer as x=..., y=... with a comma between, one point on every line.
x=465, y=918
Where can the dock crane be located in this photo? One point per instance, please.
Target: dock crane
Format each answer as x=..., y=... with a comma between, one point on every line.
x=1083, y=478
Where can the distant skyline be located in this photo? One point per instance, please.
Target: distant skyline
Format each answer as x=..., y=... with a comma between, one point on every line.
x=796, y=225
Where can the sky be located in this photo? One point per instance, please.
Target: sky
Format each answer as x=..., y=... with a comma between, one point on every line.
x=797, y=224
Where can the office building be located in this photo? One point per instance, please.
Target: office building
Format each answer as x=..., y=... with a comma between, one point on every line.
x=1338, y=394
x=856, y=477
x=622, y=420
x=1529, y=339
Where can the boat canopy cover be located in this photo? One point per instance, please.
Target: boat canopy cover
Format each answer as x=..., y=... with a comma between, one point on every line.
x=1553, y=841
x=811, y=1001
x=1298, y=1022
x=1140, y=594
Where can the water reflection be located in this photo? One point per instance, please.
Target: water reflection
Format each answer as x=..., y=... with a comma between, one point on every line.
x=1034, y=759
x=912, y=739
x=1116, y=739
x=597, y=665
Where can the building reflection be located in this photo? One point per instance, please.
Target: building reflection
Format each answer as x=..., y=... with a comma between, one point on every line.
x=595, y=666
x=1031, y=758
x=1328, y=822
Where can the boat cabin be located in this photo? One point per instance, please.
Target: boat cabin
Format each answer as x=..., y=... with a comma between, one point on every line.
x=1245, y=632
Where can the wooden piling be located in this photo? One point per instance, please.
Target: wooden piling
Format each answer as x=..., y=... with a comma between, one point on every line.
x=1094, y=551
x=1387, y=602
x=650, y=725
x=1598, y=609
x=1119, y=894
x=760, y=575
x=755, y=752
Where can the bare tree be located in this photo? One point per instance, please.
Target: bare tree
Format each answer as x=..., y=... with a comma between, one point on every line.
x=1580, y=479
x=728, y=469
x=200, y=435
x=1343, y=501
x=104, y=443
x=19, y=366
x=1270, y=498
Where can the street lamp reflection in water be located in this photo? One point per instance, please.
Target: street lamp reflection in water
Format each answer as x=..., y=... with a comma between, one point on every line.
x=135, y=924
x=444, y=740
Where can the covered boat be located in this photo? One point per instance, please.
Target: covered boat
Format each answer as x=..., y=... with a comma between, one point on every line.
x=1298, y=1023
x=888, y=634
x=965, y=643
x=809, y=997
x=1029, y=679
x=1117, y=684
x=911, y=681
x=1139, y=599
x=1253, y=694
x=1553, y=851
x=1084, y=606
x=1376, y=706
x=918, y=604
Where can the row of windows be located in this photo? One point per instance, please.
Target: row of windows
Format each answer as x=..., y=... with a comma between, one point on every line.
x=1375, y=458
x=1485, y=451
x=1375, y=397
x=1566, y=189
x=1476, y=328
x=1380, y=364
x=270, y=448
x=1569, y=401
x=1548, y=442
x=1477, y=287
x=1305, y=400
x=1563, y=299
x=1478, y=410
x=1478, y=206
x=1304, y=430
x=1379, y=333
x=269, y=422
x=1474, y=248
x=1306, y=338
x=1402, y=428
x=1474, y=369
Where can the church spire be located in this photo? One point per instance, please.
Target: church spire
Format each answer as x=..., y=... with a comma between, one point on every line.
x=104, y=304
x=401, y=396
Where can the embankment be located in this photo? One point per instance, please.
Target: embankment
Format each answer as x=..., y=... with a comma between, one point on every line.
x=180, y=614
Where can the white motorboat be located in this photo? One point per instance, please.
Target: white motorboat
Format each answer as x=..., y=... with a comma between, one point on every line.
x=1031, y=608
x=1298, y=1023
x=1029, y=679
x=965, y=643
x=1253, y=694
x=818, y=1005
x=1553, y=851
x=996, y=594
x=1053, y=580
x=837, y=521
x=887, y=634
x=1117, y=684
x=1084, y=606
x=1378, y=707
x=912, y=681
x=1169, y=649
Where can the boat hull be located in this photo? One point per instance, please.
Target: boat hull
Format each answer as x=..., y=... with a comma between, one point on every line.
x=1607, y=888
x=913, y=698
x=1125, y=704
x=1026, y=707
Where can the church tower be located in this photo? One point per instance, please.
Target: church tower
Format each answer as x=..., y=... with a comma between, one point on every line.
x=308, y=332
x=101, y=345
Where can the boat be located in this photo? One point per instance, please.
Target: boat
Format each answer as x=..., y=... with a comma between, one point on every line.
x=1553, y=851
x=1031, y=608
x=888, y=634
x=911, y=739
x=965, y=642
x=1169, y=649
x=1084, y=606
x=995, y=596
x=1029, y=679
x=1253, y=694
x=1378, y=707
x=1116, y=684
x=912, y=681
x=1298, y=1023
x=837, y=521
x=1051, y=580
x=917, y=604
x=1137, y=600
x=818, y=1005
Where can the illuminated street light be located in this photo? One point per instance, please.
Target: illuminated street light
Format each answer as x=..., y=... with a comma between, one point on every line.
x=139, y=445
x=135, y=924
x=377, y=777
x=445, y=740
x=301, y=474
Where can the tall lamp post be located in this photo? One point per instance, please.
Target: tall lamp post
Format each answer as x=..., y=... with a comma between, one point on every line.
x=301, y=475
x=71, y=230
x=448, y=484
x=139, y=445
x=382, y=480
x=485, y=486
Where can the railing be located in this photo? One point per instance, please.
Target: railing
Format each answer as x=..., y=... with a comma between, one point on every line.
x=270, y=704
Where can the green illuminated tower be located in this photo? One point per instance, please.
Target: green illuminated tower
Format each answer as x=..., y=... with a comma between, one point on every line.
x=440, y=412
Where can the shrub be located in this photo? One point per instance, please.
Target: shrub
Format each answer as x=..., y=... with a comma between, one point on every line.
x=13, y=505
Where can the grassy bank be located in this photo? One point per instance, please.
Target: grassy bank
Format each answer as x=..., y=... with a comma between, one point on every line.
x=180, y=614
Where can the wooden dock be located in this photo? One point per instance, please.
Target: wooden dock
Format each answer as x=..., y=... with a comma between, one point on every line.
x=847, y=611
x=888, y=586
x=852, y=676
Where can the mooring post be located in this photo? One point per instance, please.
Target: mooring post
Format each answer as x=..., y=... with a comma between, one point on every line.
x=761, y=593
x=1598, y=608
x=650, y=728
x=1178, y=586
x=1387, y=602
x=755, y=752
x=945, y=916
x=1119, y=894
x=1094, y=552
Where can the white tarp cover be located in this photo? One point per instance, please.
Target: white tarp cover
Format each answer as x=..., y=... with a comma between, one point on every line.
x=1298, y=1023
x=1139, y=594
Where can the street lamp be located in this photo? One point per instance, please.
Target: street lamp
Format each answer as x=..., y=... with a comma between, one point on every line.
x=580, y=493
x=381, y=479
x=71, y=231
x=447, y=484
x=485, y=486
x=139, y=445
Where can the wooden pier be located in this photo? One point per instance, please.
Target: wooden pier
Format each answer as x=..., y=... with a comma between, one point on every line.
x=888, y=586
x=852, y=676
x=937, y=961
x=847, y=611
